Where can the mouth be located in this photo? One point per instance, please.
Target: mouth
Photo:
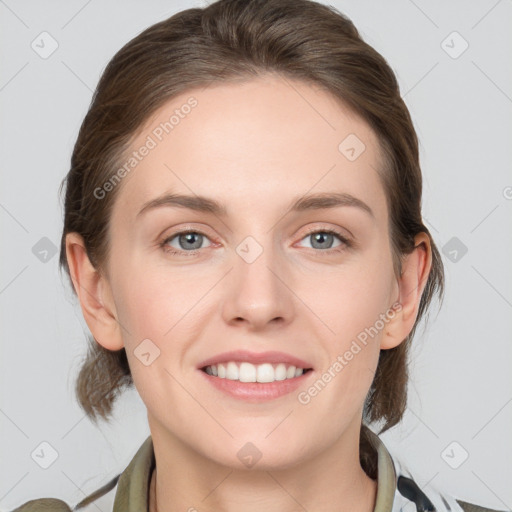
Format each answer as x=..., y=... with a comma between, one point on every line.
x=248, y=372
x=255, y=377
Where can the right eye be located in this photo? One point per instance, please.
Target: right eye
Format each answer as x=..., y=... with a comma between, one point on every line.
x=188, y=242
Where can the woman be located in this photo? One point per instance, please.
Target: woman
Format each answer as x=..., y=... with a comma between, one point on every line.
x=243, y=230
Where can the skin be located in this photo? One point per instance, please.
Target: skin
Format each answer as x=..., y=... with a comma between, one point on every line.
x=254, y=146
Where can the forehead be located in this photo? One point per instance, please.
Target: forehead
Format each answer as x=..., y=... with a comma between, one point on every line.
x=257, y=142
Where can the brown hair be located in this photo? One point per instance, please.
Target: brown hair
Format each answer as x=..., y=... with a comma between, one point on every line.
x=240, y=39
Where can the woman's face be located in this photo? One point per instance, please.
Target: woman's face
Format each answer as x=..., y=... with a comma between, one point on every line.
x=257, y=281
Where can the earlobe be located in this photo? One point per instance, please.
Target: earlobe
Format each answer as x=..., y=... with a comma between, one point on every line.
x=415, y=271
x=93, y=292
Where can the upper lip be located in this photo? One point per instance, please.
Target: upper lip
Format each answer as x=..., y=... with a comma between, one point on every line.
x=272, y=357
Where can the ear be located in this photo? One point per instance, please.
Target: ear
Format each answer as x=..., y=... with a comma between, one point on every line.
x=415, y=271
x=94, y=293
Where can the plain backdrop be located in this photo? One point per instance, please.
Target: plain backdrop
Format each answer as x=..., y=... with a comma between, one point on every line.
x=453, y=63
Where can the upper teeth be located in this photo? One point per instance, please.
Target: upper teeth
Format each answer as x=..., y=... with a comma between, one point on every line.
x=247, y=372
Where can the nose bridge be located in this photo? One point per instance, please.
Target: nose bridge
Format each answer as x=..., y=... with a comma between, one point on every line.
x=256, y=294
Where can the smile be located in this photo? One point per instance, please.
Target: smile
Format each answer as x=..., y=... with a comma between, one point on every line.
x=255, y=377
x=248, y=372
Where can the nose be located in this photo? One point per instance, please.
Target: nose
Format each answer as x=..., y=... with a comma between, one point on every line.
x=257, y=291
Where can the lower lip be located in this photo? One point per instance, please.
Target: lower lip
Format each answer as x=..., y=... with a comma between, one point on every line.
x=256, y=391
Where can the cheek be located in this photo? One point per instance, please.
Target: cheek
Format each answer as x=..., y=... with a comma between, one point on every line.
x=350, y=300
x=351, y=305
x=152, y=300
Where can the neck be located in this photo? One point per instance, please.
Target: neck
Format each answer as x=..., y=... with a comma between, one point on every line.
x=330, y=482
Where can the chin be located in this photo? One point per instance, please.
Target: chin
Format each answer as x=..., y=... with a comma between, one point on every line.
x=264, y=455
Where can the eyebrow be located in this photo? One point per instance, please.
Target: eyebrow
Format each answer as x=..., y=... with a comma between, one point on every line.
x=203, y=204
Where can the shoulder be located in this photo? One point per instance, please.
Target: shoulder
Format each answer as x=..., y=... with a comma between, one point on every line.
x=470, y=507
x=430, y=498
x=104, y=497
x=49, y=504
x=400, y=490
x=132, y=484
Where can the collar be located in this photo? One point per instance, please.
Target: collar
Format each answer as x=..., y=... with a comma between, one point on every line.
x=132, y=491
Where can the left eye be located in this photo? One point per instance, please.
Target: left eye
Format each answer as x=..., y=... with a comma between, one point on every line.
x=323, y=239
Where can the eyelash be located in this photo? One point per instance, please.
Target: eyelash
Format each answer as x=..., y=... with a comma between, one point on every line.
x=327, y=252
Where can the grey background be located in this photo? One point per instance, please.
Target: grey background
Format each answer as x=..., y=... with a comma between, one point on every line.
x=460, y=386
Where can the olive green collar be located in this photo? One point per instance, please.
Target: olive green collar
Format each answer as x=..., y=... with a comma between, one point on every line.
x=132, y=493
